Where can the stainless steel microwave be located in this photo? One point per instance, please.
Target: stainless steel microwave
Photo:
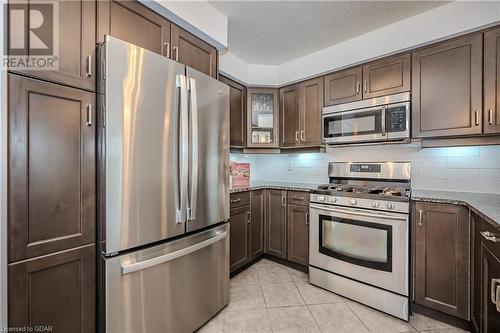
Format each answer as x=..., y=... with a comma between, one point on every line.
x=379, y=119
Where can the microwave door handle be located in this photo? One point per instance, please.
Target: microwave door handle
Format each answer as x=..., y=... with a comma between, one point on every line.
x=383, y=129
x=182, y=152
x=193, y=150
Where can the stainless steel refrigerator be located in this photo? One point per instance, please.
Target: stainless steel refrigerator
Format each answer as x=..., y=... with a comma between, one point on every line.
x=163, y=192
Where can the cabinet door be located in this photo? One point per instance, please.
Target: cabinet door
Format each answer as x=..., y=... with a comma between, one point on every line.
x=386, y=76
x=57, y=290
x=343, y=86
x=447, y=88
x=262, y=118
x=276, y=223
x=51, y=168
x=289, y=117
x=193, y=52
x=77, y=45
x=492, y=81
x=298, y=234
x=237, y=113
x=239, y=250
x=311, y=98
x=441, y=256
x=490, y=290
x=134, y=23
x=257, y=228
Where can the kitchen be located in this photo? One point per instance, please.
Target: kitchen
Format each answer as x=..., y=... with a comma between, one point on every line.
x=347, y=178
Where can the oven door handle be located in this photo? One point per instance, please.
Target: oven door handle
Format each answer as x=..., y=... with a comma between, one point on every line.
x=358, y=213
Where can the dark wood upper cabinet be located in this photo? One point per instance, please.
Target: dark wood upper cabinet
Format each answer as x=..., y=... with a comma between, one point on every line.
x=276, y=223
x=441, y=253
x=289, y=117
x=193, y=52
x=257, y=224
x=343, y=86
x=387, y=76
x=51, y=168
x=237, y=113
x=311, y=106
x=486, y=276
x=447, y=88
x=262, y=118
x=239, y=248
x=298, y=234
x=134, y=23
x=57, y=290
x=77, y=45
x=491, y=116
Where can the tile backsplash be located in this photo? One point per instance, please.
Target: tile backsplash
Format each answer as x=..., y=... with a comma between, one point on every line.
x=470, y=169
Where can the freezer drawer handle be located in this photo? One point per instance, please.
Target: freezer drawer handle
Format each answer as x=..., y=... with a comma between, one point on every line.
x=130, y=268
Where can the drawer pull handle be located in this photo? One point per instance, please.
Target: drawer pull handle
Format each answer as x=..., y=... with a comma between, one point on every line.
x=490, y=236
x=235, y=200
x=298, y=198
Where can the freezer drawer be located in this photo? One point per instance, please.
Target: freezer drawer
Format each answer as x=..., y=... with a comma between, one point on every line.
x=173, y=287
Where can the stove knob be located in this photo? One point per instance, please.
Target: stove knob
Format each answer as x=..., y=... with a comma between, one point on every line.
x=390, y=205
x=334, y=199
x=321, y=198
x=353, y=202
x=375, y=204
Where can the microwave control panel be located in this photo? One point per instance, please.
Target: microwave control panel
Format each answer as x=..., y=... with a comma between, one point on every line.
x=395, y=119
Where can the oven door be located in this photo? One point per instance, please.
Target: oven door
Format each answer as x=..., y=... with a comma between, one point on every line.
x=364, y=245
x=362, y=125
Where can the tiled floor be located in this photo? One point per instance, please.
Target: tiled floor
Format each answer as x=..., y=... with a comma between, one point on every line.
x=269, y=297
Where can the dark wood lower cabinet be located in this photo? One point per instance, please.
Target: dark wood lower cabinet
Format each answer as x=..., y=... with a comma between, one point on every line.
x=298, y=234
x=486, y=277
x=57, y=290
x=257, y=224
x=441, y=253
x=239, y=249
x=276, y=223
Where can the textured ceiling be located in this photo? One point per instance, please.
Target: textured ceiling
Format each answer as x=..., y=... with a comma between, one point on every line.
x=274, y=32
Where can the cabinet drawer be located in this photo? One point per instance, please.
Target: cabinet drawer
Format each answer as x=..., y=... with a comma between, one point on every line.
x=298, y=198
x=488, y=235
x=239, y=199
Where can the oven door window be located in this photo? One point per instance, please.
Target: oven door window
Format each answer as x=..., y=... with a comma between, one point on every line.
x=355, y=123
x=356, y=242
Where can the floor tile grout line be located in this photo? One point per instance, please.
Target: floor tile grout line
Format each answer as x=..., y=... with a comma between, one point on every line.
x=312, y=315
x=349, y=307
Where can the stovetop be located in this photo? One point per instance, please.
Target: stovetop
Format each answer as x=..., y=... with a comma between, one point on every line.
x=368, y=191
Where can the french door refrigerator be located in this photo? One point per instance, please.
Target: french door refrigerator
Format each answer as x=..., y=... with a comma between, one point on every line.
x=163, y=192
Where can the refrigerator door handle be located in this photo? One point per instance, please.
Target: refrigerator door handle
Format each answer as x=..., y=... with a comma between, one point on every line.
x=137, y=266
x=182, y=155
x=193, y=181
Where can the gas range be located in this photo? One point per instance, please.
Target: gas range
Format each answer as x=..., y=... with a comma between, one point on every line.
x=379, y=186
x=359, y=234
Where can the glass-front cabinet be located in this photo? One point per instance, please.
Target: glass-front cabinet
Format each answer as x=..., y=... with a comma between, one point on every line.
x=262, y=112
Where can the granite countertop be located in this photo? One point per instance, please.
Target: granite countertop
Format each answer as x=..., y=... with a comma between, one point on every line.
x=486, y=205
x=290, y=186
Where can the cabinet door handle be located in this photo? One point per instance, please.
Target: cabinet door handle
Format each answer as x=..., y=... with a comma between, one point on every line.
x=235, y=200
x=302, y=136
x=275, y=137
x=89, y=115
x=420, y=217
x=176, y=50
x=476, y=117
x=307, y=218
x=490, y=236
x=89, y=66
x=358, y=88
x=490, y=117
x=366, y=86
x=494, y=292
x=248, y=217
x=297, y=136
x=283, y=201
x=167, y=45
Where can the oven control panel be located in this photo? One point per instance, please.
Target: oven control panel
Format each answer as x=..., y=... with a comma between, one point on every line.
x=384, y=205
